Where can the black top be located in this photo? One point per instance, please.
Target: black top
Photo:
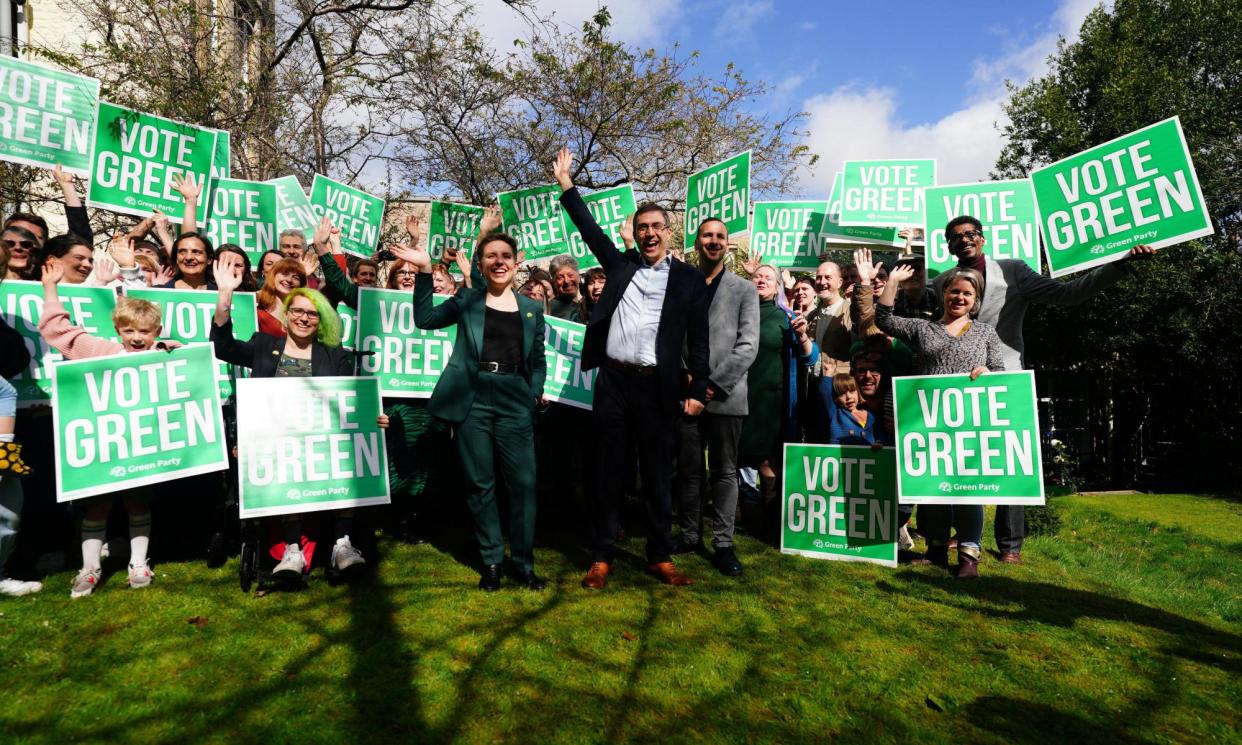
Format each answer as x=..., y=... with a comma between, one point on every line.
x=502, y=337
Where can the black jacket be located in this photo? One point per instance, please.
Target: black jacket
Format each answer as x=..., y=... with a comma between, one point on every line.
x=683, y=320
x=262, y=353
x=14, y=354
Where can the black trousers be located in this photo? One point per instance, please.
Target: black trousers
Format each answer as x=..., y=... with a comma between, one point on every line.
x=1010, y=527
x=628, y=416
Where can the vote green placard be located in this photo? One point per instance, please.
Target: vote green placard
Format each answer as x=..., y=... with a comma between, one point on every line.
x=1138, y=189
x=47, y=116
x=533, y=217
x=721, y=191
x=293, y=207
x=885, y=192
x=359, y=215
x=407, y=360
x=309, y=444
x=786, y=234
x=187, y=317
x=349, y=325
x=834, y=232
x=1006, y=209
x=452, y=227
x=840, y=503
x=566, y=381
x=221, y=162
x=138, y=418
x=137, y=157
x=21, y=306
x=610, y=208
x=963, y=441
x=243, y=213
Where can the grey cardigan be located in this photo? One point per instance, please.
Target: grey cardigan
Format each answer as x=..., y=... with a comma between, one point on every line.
x=733, y=342
x=1011, y=286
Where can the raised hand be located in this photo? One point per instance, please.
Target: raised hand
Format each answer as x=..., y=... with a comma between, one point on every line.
x=187, y=187
x=626, y=230
x=162, y=277
x=162, y=229
x=798, y=325
x=491, y=221
x=106, y=271
x=866, y=270
x=413, y=228
x=67, y=185
x=227, y=271
x=416, y=256
x=463, y=263
x=752, y=264
x=63, y=177
x=53, y=272
x=121, y=249
x=900, y=273
x=334, y=239
x=560, y=169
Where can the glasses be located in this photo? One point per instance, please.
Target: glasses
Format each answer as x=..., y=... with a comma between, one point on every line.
x=407, y=273
x=303, y=313
x=653, y=228
x=966, y=235
x=862, y=373
x=28, y=245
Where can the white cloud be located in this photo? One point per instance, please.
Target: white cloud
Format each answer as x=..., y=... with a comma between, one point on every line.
x=863, y=123
x=634, y=22
x=807, y=26
x=740, y=17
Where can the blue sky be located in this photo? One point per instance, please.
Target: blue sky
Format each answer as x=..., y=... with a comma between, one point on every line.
x=878, y=79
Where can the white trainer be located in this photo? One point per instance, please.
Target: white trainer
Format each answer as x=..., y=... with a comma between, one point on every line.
x=17, y=587
x=291, y=564
x=904, y=541
x=345, y=556
x=84, y=584
x=140, y=575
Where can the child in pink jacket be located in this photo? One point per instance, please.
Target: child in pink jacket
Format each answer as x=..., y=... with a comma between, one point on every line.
x=138, y=324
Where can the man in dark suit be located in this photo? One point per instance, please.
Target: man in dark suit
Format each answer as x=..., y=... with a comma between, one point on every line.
x=652, y=307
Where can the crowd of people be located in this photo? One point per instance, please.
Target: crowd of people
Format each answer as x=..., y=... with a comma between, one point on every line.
x=703, y=377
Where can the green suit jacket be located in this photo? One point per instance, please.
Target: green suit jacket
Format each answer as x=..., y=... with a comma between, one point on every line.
x=454, y=393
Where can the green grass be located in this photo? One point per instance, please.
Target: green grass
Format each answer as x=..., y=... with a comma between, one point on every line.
x=1126, y=627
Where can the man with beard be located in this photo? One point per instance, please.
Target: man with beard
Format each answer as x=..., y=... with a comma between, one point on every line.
x=1009, y=287
x=733, y=315
x=653, y=311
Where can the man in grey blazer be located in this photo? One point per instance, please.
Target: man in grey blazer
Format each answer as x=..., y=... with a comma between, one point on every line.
x=733, y=317
x=1010, y=286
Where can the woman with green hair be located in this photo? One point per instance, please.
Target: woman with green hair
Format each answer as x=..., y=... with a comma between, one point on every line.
x=312, y=347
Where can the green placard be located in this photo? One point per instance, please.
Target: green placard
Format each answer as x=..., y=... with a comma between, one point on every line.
x=222, y=162
x=533, y=217
x=721, y=191
x=407, y=360
x=243, y=213
x=21, y=304
x=610, y=208
x=885, y=192
x=1138, y=189
x=137, y=157
x=787, y=234
x=566, y=381
x=293, y=207
x=187, y=317
x=47, y=116
x=359, y=215
x=126, y=420
x=840, y=503
x=1006, y=209
x=349, y=325
x=309, y=444
x=832, y=229
x=963, y=441
x=452, y=226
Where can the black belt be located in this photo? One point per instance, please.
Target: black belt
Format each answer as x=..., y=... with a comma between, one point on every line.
x=629, y=368
x=499, y=367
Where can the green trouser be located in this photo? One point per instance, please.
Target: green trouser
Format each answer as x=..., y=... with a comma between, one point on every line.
x=500, y=425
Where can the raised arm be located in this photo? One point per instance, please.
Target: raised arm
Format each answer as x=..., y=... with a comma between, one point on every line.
x=227, y=271
x=491, y=223
x=428, y=315
x=75, y=212
x=1037, y=288
x=189, y=191
x=571, y=201
x=332, y=274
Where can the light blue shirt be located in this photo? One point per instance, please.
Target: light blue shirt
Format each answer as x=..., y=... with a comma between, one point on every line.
x=636, y=321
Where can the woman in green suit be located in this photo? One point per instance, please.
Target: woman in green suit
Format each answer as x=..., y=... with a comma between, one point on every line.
x=488, y=392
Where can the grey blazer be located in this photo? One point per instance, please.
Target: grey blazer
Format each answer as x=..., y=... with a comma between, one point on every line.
x=1011, y=285
x=733, y=341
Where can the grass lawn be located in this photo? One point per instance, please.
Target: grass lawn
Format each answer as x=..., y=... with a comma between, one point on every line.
x=1125, y=627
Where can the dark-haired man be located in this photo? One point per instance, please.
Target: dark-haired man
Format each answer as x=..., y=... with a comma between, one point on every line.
x=733, y=315
x=1009, y=287
x=652, y=309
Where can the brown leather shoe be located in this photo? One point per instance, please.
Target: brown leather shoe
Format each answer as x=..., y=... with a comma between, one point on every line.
x=667, y=572
x=1011, y=557
x=597, y=576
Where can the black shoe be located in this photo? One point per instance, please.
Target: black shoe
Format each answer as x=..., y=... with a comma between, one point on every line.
x=680, y=545
x=217, y=551
x=490, y=579
x=528, y=578
x=409, y=534
x=726, y=561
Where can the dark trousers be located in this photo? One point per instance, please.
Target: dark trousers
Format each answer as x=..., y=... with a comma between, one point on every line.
x=720, y=434
x=1010, y=527
x=500, y=425
x=628, y=416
